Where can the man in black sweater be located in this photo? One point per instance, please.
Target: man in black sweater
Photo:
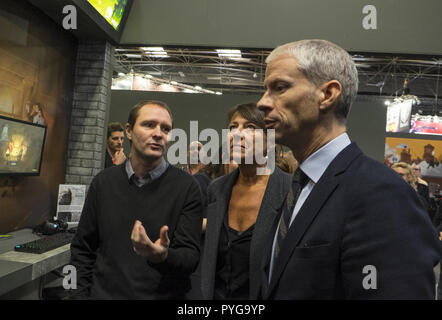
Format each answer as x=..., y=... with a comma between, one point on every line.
x=128, y=205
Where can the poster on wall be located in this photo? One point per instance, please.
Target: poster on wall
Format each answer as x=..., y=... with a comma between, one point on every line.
x=398, y=116
x=426, y=124
x=426, y=153
x=70, y=202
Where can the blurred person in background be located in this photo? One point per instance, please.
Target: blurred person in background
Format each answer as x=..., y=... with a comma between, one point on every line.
x=406, y=172
x=114, y=150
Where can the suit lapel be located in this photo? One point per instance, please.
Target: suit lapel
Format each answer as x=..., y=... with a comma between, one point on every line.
x=311, y=207
x=267, y=255
x=274, y=195
x=224, y=195
x=214, y=224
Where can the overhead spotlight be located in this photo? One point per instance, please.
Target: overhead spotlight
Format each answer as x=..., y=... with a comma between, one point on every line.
x=148, y=76
x=173, y=82
x=198, y=88
x=387, y=102
x=218, y=93
x=121, y=74
x=255, y=75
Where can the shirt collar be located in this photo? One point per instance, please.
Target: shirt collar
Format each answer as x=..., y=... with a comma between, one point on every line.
x=153, y=174
x=316, y=164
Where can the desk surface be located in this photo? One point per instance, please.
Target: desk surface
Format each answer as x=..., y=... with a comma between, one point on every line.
x=18, y=268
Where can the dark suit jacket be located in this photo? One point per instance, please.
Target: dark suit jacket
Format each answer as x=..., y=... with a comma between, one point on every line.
x=360, y=213
x=219, y=193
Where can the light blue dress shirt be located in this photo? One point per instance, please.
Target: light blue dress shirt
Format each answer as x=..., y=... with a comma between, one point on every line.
x=314, y=167
x=149, y=177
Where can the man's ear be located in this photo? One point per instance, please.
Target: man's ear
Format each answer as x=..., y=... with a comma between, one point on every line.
x=330, y=93
x=128, y=131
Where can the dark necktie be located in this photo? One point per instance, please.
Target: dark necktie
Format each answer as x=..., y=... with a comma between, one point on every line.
x=300, y=179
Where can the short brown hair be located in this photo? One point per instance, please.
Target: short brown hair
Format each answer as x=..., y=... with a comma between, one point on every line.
x=133, y=114
x=114, y=126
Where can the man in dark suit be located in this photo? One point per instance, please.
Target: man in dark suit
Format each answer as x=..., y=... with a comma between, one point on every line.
x=353, y=229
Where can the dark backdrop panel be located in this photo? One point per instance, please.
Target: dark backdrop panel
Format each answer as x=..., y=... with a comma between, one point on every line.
x=366, y=123
x=210, y=110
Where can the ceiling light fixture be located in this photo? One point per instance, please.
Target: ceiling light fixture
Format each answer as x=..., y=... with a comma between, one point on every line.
x=133, y=55
x=154, y=52
x=157, y=55
x=153, y=49
x=229, y=53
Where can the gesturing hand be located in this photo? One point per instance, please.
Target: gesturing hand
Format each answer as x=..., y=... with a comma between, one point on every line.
x=143, y=246
x=119, y=157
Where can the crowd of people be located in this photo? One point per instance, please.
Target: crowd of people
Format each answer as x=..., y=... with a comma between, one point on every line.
x=306, y=230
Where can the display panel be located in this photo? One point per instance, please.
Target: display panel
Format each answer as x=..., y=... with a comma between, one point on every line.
x=398, y=116
x=427, y=153
x=426, y=124
x=21, y=147
x=111, y=10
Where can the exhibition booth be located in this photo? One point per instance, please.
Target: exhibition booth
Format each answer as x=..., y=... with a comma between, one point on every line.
x=70, y=67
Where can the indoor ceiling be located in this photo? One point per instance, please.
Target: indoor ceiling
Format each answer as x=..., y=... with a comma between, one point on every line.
x=242, y=71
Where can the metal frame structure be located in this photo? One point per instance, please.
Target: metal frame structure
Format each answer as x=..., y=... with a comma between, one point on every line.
x=379, y=74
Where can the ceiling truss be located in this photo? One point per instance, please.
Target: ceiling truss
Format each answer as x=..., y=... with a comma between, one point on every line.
x=382, y=75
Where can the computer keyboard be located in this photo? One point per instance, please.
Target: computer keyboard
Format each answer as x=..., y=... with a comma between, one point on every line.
x=46, y=243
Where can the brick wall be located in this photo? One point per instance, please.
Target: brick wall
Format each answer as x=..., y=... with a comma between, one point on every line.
x=92, y=89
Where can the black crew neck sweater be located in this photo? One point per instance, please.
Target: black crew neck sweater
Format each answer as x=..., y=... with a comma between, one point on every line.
x=102, y=251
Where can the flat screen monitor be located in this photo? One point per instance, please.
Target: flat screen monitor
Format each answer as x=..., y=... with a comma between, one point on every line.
x=21, y=147
x=109, y=16
x=111, y=10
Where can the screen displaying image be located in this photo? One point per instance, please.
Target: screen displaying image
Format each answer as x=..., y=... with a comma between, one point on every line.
x=111, y=10
x=21, y=146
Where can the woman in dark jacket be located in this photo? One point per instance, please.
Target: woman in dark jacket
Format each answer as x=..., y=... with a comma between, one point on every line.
x=242, y=206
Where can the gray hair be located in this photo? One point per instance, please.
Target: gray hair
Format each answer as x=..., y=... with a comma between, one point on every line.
x=321, y=61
